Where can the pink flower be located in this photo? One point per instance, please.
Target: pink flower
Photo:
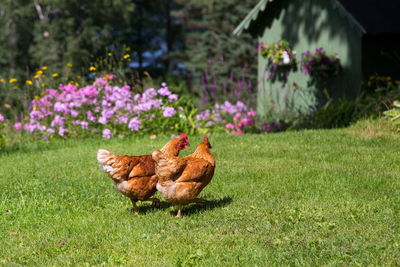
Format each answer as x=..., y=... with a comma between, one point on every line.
x=18, y=126
x=229, y=126
x=246, y=121
x=1, y=118
x=251, y=113
x=237, y=116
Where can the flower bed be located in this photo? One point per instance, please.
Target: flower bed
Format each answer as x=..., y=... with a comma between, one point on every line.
x=108, y=110
x=105, y=109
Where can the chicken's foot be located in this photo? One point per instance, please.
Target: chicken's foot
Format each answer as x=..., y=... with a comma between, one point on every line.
x=155, y=201
x=134, y=206
x=179, y=214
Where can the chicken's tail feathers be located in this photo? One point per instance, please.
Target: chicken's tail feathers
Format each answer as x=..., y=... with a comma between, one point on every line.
x=105, y=160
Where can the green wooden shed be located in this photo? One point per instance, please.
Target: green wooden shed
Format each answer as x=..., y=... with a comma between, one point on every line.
x=365, y=34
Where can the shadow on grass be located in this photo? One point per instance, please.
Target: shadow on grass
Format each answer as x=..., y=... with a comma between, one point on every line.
x=209, y=205
x=143, y=209
x=188, y=210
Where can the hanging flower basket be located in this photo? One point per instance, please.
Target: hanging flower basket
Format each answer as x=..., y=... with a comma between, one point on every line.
x=279, y=54
x=320, y=65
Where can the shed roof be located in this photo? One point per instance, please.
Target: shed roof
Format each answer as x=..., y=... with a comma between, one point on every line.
x=367, y=16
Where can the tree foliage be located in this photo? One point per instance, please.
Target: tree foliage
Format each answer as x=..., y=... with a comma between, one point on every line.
x=166, y=35
x=223, y=62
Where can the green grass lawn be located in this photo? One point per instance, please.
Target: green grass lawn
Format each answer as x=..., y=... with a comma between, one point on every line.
x=320, y=197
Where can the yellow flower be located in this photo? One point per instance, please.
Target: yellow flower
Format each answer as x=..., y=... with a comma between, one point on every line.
x=12, y=80
x=43, y=84
x=389, y=83
x=398, y=82
x=42, y=93
x=126, y=56
x=2, y=80
x=34, y=107
x=29, y=82
x=92, y=68
x=128, y=49
x=54, y=75
x=69, y=65
x=37, y=97
x=39, y=72
x=36, y=76
x=44, y=68
x=109, y=54
x=15, y=87
x=388, y=78
x=76, y=84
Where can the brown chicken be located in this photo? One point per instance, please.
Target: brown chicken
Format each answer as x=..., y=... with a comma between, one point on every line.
x=134, y=176
x=180, y=180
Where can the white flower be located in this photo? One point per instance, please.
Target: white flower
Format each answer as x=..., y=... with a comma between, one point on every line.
x=286, y=58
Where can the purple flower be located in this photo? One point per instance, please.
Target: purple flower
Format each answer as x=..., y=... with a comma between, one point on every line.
x=168, y=112
x=74, y=113
x=149, y=93
x=123, y=119
x=164, y=91
x=150, y=117
x=134, y=124
x=50, y=130
x=90, y=116
x=106, y=133
x=57, y=121
x=36, y=115
x=84, y=124
x=1, y=118
x=60, y=107
x=172, y=97
x=62, y=131
x=209, y=124
x=240, y=106
x=203, y=115
x=102, y=120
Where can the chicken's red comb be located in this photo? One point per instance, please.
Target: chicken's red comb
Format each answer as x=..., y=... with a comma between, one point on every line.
x=183, y=135
x=205, y=138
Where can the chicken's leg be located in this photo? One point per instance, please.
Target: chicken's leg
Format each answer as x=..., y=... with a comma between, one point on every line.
x=179, y=214
x=155, y=201
x=134, y=206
